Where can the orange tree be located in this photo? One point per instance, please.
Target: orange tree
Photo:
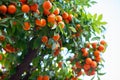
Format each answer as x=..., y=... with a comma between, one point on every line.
x=50, y=40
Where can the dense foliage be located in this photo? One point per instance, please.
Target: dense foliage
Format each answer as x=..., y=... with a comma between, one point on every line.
x=50, y=39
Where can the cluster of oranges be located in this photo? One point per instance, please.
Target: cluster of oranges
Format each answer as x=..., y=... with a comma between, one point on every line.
x=25, y=8
x=56, y=38
x=8, y=48
x=97, y=49
x=52, y=17
x=90, y=64
x=43, y=77
x=11, y=9
x=79, y=30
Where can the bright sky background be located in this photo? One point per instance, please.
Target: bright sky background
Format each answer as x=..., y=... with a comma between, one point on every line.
x=111, y=13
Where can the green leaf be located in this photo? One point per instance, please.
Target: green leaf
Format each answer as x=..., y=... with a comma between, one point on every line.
x=36, y=43
x=72, y=29
x=93, y=2
x=53, y=46
x=4, y=20
x=100, y=17
x=103, y=27
x=95, y=38
x=96, y=29
x=40, y=2
x=93, y=78
x=101, y=74
x=77, y=20
x=94, y=16
x=19, y=14
x=103, y=23
x=36, y=61
x=98, y=78
x=3, y=25
x=61, y=30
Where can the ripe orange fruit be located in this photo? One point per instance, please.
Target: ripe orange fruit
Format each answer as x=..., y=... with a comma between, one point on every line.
x=77, y=34
x=14, y=23
x=96, y=53
x=58, y=18
x=56, y=52
x=11, y=9
x=98, y=58
x=23, y=1
x=85, y=54
x=101, y=48
x=46, y=12
x=70, y=16
x=41, y=22
x=86, y=66
x=74, y=78
x=93, y=64
x=47, y=5
x=83, y=50
x=48, y=45
x=89, y=73
x=61, y=24
x=56, y=11
x=2, y=38
x=78, y=65
x=60, y=64
x=87, y=45
x=66, y=21
x=74, y=68
x=78, y=27
x=94, y=45
x=40, y=78
x=8, y=48
x=46, y=77
x=38, y=22
x=26, y=26
x=88, y=61
x=25, y=8
x=51, y=18
x=93, y=72
x=102, y=42
x=3, y=9
x=79, y=73
x=34, y=7
x=1, y=57
x=65, y=15
x=56, y=37
x=60, y=43
x=44, y=39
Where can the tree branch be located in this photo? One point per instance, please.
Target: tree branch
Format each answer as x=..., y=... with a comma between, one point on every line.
x=24, y=66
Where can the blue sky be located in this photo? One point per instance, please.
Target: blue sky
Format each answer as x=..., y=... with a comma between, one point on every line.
x=111, y=13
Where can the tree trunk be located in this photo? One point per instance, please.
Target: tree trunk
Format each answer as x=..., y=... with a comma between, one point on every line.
x=24, y=66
